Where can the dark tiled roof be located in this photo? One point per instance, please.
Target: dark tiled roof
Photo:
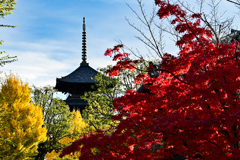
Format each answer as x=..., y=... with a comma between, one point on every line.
x=83, y=74
x=76, y=102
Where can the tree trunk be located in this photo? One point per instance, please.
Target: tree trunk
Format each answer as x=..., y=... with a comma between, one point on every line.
x=41, y=152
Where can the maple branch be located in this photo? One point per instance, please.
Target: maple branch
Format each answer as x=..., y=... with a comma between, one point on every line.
x=233, y=2
x=133, y=119
x=164, y=71
x=170, y=31
x=174, y=76
x=225, y=79
x=217, y=27
x=199, y=67
x=131, y=51
x=114, y=151
x=137, y=68
x=208, y=24
x=216, y=146
x=149, y=27
x=152, y=44
x=138, y=123
x=190, y=28
x=94, y=126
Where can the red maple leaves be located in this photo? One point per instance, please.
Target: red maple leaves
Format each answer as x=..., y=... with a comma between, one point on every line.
x=193, y=111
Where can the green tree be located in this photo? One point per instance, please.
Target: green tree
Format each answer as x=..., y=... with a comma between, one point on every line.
x=98, y=114
x=58, y=120
x=20, y=121
x=6, y=7
x=80, y=127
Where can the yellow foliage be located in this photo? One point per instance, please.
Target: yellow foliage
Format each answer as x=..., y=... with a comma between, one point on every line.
x=78, y=129
x=78, y=121
x=20, y=121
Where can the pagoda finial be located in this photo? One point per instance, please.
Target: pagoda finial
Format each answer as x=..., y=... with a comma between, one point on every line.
x=84, y=45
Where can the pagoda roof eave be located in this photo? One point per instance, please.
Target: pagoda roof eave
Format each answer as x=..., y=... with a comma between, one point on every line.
x=83, y=74
x=60, y=80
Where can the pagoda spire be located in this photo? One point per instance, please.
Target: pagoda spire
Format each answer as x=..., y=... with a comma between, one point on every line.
x=84, y=45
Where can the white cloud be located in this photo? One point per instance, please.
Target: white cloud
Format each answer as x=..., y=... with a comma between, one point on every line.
x=41, y=63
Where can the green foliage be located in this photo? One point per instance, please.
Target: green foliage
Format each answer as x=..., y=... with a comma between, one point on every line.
x=6, y=59
x=98, y=113
x=6, y=8
x=8, y=141
x=57, y=117
x=78, y=127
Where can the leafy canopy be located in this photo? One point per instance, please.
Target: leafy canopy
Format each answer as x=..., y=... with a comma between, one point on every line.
x=192, y=110
x=62, y=125
x=20, y=121
x=98, y=113
x=80, y=127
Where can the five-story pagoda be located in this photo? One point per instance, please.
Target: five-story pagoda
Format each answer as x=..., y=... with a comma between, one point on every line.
x=79, y=81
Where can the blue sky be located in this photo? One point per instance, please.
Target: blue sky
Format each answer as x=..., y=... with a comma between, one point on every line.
x=48, y=38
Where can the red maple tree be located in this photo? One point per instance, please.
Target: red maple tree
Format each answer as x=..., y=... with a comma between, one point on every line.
x=193, y=109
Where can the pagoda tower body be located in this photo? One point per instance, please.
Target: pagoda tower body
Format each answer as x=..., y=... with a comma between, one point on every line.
x=79, y=81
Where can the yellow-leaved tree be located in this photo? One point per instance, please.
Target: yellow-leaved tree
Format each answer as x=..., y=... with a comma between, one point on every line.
x=21, y=122
x=78, y=127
